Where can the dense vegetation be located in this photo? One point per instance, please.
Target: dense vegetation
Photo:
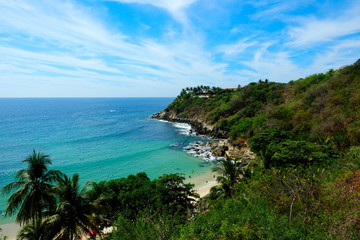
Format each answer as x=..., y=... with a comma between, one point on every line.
x=303, y=184
x=53, y=206
x=322, y=108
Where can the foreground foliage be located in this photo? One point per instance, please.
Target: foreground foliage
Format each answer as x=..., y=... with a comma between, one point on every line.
x=54, y=206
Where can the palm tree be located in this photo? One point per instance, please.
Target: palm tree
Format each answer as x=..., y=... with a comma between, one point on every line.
x=74, y=214
x=37, y=230
x=32, y=184
x=230, y=172
x=222, y=190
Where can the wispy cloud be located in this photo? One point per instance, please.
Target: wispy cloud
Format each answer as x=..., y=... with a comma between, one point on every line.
x=344, y=52
x=234, y=49
x=71, y=48
x=275, y=66
x=276, y=9
x=77, y=45
x=312, y=30
x=175, y=7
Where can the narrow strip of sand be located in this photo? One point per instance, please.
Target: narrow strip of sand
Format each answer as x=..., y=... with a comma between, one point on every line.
x=10, y=230
x=203, y=182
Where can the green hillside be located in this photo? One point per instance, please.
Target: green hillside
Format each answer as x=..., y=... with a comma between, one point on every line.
x=304, y=182
x=319, y=108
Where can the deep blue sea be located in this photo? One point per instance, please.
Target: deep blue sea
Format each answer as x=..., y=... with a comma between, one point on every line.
x=99, y=138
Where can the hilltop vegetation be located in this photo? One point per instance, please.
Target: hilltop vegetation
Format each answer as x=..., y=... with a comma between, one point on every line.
x=320, y=108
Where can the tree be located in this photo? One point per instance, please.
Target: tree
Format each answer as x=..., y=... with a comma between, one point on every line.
x=33, y=184
x=222, y=190
x=74, y=213
x=126, y=196
x=230, y=172
x=34, y=231
x=263, y=143
x=175, y=193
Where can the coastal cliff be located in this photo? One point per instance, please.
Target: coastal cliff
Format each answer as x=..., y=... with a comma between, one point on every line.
x=220, y=148
x=321, y=108
x=199, y=124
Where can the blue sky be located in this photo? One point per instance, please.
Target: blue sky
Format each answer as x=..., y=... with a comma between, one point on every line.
x=154, y=48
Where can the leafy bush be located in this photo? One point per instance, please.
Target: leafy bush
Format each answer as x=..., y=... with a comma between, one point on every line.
x=262, y=140
x=241, y=219
x=297, y=152
x=242, y=128
x=129, y=196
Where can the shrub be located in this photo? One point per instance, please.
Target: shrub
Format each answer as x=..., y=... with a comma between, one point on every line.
x=242, y=128
x=260, y=142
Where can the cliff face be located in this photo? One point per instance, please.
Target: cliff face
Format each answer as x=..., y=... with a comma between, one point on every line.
x=225, y=148
x=220, y=148
x=197, y=122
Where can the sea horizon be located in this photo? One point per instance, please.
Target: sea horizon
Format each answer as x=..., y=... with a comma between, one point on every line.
x=77, y=97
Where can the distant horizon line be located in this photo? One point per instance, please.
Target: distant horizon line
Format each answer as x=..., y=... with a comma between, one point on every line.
x=74, y=97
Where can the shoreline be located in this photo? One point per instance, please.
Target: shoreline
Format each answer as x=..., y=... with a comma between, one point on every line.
x=203, y=182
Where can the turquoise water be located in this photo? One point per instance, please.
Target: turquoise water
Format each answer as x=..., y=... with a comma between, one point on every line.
x=99, y=138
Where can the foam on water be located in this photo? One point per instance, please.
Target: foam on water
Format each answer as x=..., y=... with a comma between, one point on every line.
x=201, y=149
x=183, y=128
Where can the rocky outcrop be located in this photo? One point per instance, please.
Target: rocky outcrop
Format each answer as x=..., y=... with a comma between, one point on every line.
x=220, y=148
x=198, y=124
x=225, y=148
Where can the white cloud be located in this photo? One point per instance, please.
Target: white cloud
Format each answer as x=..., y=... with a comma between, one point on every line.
x=343, y=53
x=175, y=7
x=61, y=40
x=275, y=66
x=235, y=30
x=313, y=30
x=276, y=9
x=70, y=49
x=235, y=48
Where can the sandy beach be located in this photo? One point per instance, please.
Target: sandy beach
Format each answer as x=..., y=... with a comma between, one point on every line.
x=10, y=230
x=203, y=182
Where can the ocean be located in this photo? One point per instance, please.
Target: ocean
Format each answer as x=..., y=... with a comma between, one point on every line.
x=99, y=138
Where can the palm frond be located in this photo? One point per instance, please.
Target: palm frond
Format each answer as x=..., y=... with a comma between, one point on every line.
x=11, y=187
x=52, y=176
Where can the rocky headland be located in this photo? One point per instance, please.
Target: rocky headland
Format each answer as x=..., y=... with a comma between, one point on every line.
x=221, y=147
